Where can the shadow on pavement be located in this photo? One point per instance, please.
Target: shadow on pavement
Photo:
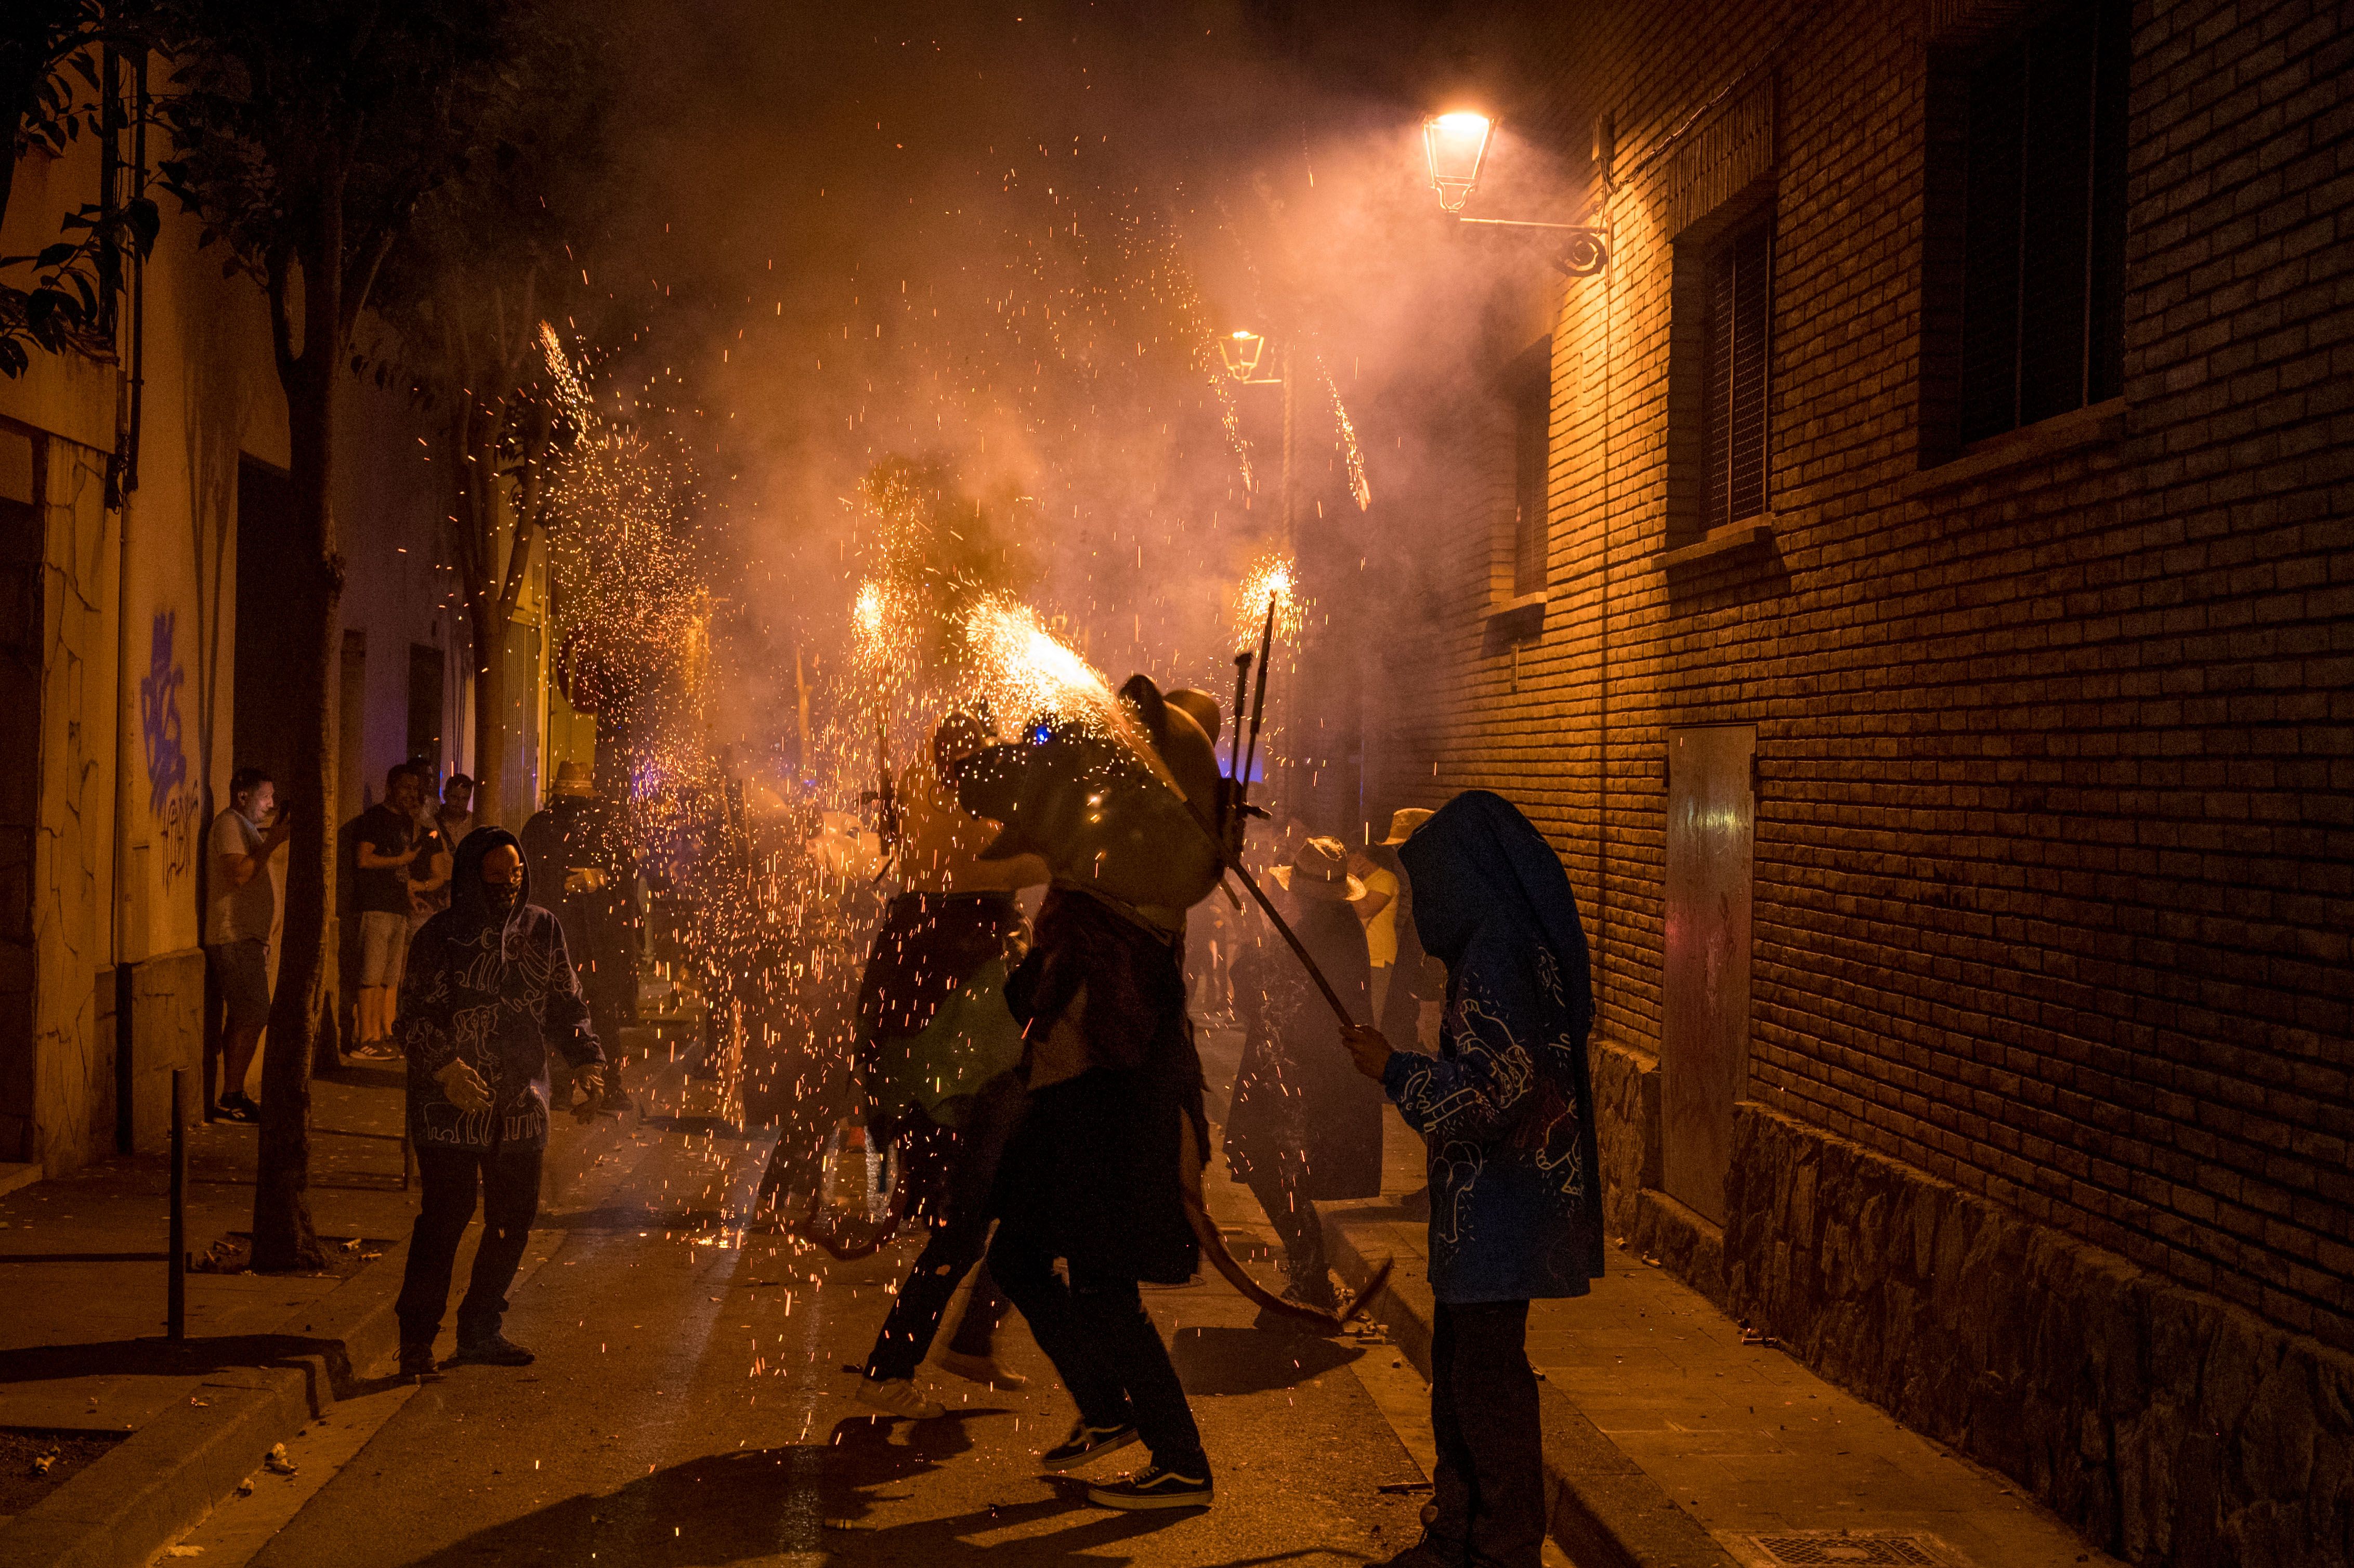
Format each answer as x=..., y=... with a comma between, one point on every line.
x=794, y=1502
x=1252, y=1360
x=158, y=1358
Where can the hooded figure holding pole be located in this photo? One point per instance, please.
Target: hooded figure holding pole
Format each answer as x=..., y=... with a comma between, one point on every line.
x=489, y=988
x=1506, y=1109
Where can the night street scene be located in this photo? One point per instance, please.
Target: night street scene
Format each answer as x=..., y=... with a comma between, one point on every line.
x=1179, y=783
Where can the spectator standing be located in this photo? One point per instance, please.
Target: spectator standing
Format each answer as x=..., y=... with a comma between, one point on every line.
x=385, y=846
x=491, y=990
x=239, y=918
x=1506, y=1109
x=1303, y=1127
x=1414, y=976
x=581, y=863
x=1378, y=910
x=439, y=827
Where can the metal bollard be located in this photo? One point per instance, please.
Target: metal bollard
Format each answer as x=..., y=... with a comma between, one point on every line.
x=175, y=1278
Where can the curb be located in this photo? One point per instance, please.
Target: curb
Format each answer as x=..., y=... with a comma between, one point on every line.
x=165, y=1478
x=1602, y=1509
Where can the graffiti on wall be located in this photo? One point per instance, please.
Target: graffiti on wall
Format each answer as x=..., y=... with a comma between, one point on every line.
x=171, y=803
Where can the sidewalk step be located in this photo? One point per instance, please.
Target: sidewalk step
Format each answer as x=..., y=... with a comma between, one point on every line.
x=1674, y=1445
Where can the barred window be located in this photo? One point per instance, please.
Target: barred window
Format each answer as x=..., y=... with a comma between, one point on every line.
x=1734, y=384
x=1532, y=471
x=2042, y=287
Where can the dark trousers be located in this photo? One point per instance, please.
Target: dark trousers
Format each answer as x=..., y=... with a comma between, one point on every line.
x=510, y=1183
x=1273, y=1183
x=957, y=1202
x=1103, y=1345
x=1489, y=1488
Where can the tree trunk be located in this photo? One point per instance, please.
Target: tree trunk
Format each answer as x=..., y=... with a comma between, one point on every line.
x=489, y=620
x=283, y=1240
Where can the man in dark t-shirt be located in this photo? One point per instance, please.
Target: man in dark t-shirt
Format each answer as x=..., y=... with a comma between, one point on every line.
x=387, y=844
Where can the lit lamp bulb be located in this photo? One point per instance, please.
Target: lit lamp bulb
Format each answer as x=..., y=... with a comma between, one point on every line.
x=1456, y=145
x=1241, y=352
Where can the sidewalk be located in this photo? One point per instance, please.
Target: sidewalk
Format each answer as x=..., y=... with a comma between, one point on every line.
x=150, y=1436
x=1671, y=1443
x=81, y=1345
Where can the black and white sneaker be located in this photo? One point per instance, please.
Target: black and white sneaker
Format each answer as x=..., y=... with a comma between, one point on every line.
x=1153, y=1487
x=1085, y=1442
x=493, y=1349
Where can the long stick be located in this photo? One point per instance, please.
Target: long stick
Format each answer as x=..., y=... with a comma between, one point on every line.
x=1242, y=686
x=1258, y=703
x=1250, y=884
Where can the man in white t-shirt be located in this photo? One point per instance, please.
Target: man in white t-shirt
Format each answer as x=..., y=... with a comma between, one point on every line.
x=242, y=908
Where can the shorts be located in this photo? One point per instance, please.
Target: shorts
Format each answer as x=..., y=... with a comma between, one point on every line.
x=383, y=948
x=242, y=966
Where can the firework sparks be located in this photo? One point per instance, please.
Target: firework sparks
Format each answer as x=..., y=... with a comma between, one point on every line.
x=1271, y=576
x=1358, y=487
x=1026, y=674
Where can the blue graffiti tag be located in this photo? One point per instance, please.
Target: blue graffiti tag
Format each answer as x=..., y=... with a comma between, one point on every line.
x=159, y=717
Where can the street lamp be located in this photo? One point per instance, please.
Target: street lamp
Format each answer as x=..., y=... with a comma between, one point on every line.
x=1455, y=145
x=1241, y=352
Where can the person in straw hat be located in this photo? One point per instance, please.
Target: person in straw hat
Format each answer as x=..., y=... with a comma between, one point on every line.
x=1303, y=1127
x=1400, y=991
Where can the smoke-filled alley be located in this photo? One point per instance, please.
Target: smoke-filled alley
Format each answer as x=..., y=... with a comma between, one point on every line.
x=1452, y=785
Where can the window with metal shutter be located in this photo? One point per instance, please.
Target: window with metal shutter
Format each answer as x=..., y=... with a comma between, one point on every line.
x=1733, y=388
x=1533, y=474
x=2043, y=222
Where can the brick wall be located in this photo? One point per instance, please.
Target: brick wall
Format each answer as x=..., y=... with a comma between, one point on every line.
x=2054, y=866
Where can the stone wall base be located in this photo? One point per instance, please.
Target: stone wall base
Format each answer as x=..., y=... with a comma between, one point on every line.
x=167, y=1012
x=2169, y=1425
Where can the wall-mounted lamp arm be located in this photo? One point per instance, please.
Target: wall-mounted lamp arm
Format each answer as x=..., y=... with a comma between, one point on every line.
x=1584, y=254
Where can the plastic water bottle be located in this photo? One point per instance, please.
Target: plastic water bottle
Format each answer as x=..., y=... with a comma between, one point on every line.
x=860, y=1178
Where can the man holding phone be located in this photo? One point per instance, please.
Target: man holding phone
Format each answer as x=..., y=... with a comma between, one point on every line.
x=240, y=913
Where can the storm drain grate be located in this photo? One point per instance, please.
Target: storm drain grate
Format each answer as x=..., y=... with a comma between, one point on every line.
x=1830, y=1551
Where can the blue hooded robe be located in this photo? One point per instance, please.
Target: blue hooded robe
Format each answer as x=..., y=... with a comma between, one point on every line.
x=1506, y=1108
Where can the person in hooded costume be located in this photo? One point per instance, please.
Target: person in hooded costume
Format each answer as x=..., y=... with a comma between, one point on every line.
x=1506, y=1109
x=490, y=987
x=1303, y=1127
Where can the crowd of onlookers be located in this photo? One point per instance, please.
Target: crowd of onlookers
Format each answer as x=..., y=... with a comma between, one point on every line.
x=396, y=859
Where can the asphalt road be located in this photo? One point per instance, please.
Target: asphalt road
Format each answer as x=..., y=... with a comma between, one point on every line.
x=689, y=1407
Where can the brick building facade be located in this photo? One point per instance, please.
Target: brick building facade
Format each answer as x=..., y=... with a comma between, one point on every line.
x=1938, y=678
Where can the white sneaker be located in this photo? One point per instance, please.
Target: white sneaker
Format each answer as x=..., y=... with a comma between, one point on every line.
x=978, y=1369
x=898, y=1396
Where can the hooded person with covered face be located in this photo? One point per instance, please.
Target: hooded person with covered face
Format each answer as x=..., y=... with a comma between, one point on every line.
x=489, y=989
x=1506, y=1112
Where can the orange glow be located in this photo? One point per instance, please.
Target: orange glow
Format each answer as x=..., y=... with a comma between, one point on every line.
x=1456, y=145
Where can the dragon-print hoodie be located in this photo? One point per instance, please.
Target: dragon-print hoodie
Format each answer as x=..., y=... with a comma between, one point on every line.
x=495, y=991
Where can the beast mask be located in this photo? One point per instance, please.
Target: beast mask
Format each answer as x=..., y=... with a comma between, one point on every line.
x=1094, y=800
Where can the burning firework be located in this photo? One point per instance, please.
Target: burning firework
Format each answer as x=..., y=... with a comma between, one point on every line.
x=1026, y=676
x=1358, y=486
x=1271, y=576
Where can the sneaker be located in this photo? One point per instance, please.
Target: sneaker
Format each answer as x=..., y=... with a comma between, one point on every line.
x=236, y=1106
x=616, y=1100
x=898, y=1397
x=417, y=1361
x=980, y=1368
x=374, y=1051
x=1085, y=1442
x=493, y=1349
x=1428, y=1553
x=1153, y=1487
